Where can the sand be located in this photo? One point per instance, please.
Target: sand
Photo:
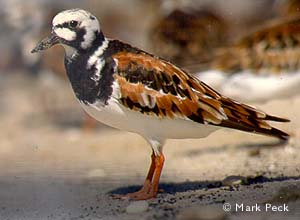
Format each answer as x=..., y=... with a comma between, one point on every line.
x=51, y=168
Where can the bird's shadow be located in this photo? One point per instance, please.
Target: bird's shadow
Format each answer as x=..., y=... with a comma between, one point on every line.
x=172, y=188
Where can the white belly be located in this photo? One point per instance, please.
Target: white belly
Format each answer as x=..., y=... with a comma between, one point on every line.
x=117, y=116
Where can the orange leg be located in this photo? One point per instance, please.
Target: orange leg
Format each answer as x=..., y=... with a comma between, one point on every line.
x=159, y=161
x=151, y=169
x=150, y=187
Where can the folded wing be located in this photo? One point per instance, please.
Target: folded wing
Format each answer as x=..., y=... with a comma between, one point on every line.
x=156, y=87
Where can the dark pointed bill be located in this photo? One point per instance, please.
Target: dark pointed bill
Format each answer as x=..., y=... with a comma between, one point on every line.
x=46, y=43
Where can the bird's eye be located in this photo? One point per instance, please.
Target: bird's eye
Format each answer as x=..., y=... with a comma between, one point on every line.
x=73, y=24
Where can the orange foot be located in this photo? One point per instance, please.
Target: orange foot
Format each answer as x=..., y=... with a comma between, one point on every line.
x=150, y=187
x=148, y=191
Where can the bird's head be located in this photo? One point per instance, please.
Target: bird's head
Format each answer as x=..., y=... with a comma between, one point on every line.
x=75, y=29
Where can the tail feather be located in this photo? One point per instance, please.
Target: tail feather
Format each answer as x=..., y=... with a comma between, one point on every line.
x=250, y=119
x=275, y=118
x=274, y=132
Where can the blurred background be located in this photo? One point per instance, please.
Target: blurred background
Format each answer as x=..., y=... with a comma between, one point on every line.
x=188, y=33
x=45, y=133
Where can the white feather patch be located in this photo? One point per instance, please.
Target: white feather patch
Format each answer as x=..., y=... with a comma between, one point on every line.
x=65, y=33
x=91, y=26
x=99, y=65
x=69, y=15
x=95, y=59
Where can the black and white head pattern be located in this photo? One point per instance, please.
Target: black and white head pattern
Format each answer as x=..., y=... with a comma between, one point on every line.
x=76, y=28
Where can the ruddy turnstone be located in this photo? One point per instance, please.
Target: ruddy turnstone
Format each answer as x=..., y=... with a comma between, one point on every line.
x=261, y=66
x=187, y=36
x=129, y=89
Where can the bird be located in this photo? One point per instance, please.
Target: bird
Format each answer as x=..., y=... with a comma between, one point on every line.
x=287, y=7
x=187, y=36
x=132, y=90
x=260, y=66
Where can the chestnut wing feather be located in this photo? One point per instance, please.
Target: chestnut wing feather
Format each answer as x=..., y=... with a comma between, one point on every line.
x=156, y=87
